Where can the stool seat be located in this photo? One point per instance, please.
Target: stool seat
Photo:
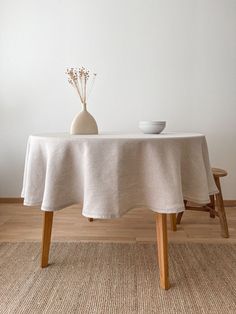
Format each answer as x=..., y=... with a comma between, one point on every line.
x=217, y=172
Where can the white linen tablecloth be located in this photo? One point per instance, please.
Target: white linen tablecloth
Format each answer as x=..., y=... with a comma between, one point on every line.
x=111, y=174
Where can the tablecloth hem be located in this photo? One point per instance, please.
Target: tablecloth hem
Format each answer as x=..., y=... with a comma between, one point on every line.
x=199, y=201
x=32, y=203
x=173, y=210
x=47, y=209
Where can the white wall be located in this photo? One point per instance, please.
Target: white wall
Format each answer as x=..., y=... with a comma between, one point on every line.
x=168, y=60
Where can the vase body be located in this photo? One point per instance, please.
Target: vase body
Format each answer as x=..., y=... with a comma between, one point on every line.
x=84, y=123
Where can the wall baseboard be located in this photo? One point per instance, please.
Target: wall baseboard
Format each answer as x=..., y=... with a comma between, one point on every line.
x=230, y=203
x=19, y=200
x=11, y=200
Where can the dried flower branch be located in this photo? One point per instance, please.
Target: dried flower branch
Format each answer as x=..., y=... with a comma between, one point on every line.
x=79, y=80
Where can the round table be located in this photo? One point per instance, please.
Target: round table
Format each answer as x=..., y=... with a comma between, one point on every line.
x=110, y=174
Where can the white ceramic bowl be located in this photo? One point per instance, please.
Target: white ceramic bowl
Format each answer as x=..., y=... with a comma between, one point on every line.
x=152, y=122
x=152, y=127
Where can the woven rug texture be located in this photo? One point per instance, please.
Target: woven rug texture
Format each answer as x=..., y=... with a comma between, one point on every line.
x=117, y=278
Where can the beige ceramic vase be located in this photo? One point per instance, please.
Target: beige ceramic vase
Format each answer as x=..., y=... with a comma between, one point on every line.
x=84, y=123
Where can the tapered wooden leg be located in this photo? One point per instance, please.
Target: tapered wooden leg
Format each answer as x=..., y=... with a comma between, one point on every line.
x=90, y=219
x=221, y=211
x=173, y=222
x=162, y=244
x=46, y=238
x=179, y=215
x=212, y=206
x=222, y=216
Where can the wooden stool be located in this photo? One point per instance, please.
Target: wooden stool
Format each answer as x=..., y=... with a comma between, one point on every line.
x=215, y=199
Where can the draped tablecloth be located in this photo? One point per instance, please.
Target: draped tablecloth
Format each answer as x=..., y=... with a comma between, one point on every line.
x=111, y=174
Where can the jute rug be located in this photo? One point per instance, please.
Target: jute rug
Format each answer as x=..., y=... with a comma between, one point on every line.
x=117, y=278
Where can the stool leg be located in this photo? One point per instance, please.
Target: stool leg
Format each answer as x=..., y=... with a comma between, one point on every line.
x=179, y=215
x=173, y=222
x=212, y=206
x=90, y=219
x=221, y=211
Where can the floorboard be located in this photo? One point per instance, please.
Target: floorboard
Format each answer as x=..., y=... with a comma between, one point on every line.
x=21, y=223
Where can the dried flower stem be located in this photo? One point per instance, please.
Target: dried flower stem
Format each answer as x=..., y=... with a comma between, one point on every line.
x=79, y=80
x=85, y=83
x=92, y=84
x=77, y=88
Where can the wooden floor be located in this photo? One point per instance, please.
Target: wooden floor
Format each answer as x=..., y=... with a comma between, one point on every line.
x=20, y=223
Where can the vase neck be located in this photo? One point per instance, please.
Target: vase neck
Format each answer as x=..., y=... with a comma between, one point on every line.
x=84, y=106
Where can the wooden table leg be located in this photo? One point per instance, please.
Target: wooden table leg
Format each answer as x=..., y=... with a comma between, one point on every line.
x=173, y=222
x=162, y=244
x=46, y=238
